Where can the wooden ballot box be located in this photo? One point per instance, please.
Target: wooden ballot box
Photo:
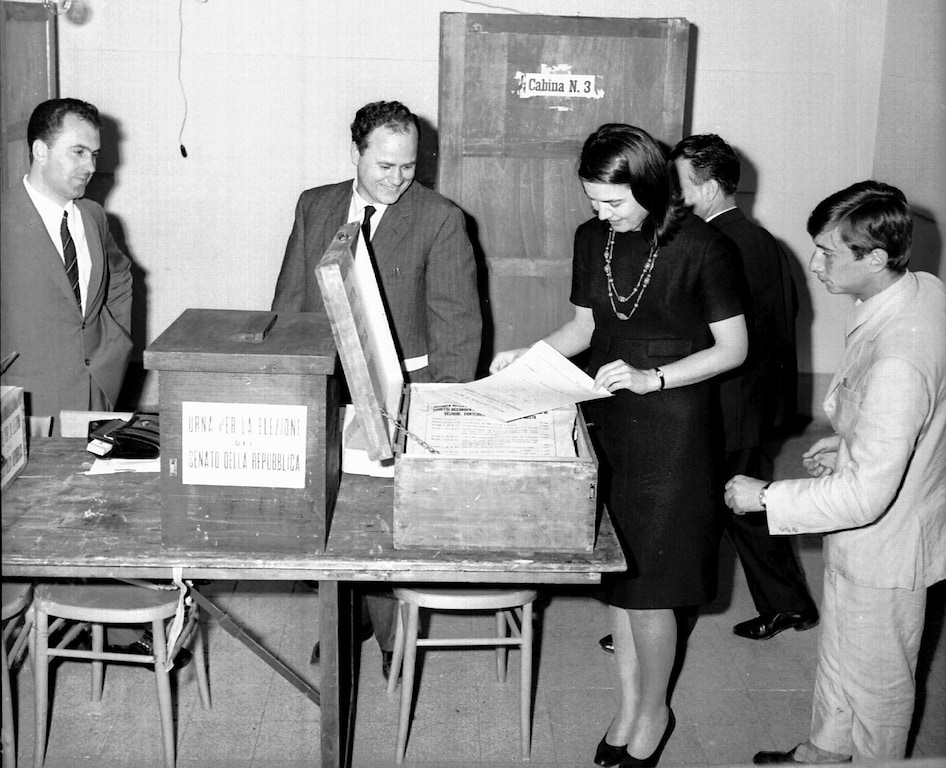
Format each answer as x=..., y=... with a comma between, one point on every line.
x=452, y=500
x=250, y=441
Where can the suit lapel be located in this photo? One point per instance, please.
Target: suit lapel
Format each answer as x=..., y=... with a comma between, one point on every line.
x=41, y=245
x=393, y=228
x=93, y=239
x=332, y=215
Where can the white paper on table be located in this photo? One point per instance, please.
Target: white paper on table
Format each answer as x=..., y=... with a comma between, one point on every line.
x=540, y=379
x=115, y=466
x=439, y=425
x=355, y=459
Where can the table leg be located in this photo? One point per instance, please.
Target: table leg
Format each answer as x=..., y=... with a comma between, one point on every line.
x=339, y=672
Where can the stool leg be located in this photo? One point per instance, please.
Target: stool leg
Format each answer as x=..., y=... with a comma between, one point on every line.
x=163, y=682
x=525, y=682
x=6, y=737
x=398, y=656
x=98, y=666
x=407, y=681
x=39, y=645
x=501, y=650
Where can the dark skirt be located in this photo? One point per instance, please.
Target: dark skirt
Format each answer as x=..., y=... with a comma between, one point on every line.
x=658, y=480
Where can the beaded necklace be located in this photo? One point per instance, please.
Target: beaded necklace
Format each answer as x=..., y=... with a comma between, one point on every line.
x=642, y=282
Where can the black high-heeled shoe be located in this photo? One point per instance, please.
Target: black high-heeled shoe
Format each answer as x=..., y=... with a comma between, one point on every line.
x=629, y=761
x=609, y=755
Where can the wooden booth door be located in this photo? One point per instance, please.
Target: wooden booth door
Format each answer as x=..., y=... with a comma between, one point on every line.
x=28, y=76
x=518, y=96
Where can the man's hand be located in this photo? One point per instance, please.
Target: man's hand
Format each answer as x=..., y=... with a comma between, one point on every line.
x=742, y=494
x=822, y=458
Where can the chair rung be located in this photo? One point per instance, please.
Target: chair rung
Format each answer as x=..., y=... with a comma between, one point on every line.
x=134, y=658
x=468, y=641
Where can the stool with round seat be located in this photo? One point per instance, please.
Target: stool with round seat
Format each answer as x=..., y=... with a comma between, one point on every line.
x=17, y=620
x=512, y=606
x=98, y=605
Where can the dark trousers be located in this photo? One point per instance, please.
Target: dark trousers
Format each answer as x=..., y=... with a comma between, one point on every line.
x=379, y=609
x=776, y=581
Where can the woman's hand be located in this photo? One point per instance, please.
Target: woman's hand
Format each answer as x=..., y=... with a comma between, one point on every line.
x=619, y=375
x=505, y=358
x=822, y=457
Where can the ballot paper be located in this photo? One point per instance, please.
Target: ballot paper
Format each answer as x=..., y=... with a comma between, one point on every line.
x=540, y=379
x=118, y=466
x=436, y=425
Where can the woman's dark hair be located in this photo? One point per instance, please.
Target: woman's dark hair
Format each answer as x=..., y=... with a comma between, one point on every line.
x=623, y=154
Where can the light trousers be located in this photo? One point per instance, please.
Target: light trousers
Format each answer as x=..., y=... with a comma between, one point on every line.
x=865, y=685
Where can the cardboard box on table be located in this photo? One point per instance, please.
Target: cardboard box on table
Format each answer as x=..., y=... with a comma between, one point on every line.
x=250, y=441
x=448, y=502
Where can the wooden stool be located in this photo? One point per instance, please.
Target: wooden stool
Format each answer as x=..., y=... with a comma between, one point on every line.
x=16, y=599
x=504, y=603
x=105, y=604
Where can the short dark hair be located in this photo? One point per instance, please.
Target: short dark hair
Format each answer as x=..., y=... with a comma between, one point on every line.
x=624, y=154
x=390, y=114
x=48, y=117
x=868, y=215
x=711, y=158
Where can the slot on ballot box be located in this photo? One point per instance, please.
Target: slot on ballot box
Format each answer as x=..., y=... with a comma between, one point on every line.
x=462, y=481
x=250, y=440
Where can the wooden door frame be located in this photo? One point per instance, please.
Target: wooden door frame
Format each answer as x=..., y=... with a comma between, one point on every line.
x=14, y=129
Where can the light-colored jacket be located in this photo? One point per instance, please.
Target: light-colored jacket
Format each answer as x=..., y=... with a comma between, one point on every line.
x=884, y=507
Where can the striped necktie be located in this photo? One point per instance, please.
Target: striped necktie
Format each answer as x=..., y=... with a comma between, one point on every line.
x=69, y=257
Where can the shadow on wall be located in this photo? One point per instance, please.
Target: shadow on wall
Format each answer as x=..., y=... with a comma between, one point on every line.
x=100, y=187
x=927, y=251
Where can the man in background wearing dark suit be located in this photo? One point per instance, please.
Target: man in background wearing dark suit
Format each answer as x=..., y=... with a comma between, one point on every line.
x=68, y=324
x=759, y=396
x=422, y=256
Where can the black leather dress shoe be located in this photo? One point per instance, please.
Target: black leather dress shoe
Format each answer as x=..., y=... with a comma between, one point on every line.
x=608, y=755
x=764, y=626
x=366, y=633
x=771, y=758
x=607, y=643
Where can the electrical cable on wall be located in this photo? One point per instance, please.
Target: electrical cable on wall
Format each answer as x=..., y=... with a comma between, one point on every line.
x=180, y=79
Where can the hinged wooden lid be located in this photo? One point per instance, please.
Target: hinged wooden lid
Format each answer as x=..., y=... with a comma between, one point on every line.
x=238, y=341
x=362, y=333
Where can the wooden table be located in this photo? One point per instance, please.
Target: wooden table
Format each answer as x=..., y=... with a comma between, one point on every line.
x=58, y=522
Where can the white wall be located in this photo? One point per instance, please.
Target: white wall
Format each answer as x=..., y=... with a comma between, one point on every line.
x=272, y=85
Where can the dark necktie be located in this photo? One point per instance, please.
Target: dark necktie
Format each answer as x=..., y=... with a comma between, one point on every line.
x=366, y=227
x=69, y=257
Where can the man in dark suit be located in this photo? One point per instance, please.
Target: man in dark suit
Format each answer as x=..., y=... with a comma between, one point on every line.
x=422, y=256
x=65, y=285
x=70, y=332
x=759, y=396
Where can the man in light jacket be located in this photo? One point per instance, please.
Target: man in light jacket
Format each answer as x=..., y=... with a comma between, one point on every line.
x=878, y=486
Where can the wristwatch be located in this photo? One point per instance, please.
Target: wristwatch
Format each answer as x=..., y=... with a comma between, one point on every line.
x=762, y=496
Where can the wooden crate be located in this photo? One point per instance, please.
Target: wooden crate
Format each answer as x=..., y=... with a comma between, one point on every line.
x=250, y=441
x=14, y=431
x=449, y=502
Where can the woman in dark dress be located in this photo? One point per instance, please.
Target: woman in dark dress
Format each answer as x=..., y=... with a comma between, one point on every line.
x=656, y=295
